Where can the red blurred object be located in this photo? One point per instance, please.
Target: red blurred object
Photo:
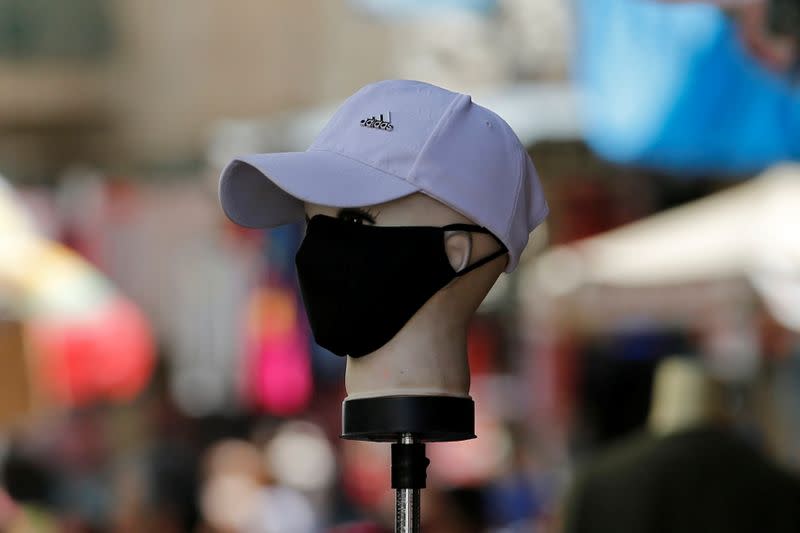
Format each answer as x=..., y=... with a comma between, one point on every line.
x=483, y=346
x=366, y=476
x=108, y=355
x=587, y=208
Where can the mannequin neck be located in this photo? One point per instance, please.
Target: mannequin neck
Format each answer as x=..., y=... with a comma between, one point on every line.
x=427, y=357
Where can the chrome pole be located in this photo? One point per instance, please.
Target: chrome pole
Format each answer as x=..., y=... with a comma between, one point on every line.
x=407, y=503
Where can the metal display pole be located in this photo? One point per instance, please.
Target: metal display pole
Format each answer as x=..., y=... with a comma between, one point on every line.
x=408, y=422
x=409, y=466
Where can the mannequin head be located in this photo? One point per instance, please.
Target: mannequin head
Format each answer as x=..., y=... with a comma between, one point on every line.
x=428, y=355
x=420, y=158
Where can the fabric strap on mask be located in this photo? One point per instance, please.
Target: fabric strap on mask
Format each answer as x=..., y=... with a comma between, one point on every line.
x=471, y=228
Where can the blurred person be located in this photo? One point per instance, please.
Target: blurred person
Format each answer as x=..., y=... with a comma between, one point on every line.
x=233, y=474
x=27, y=519
x=26, y=497
x=155, y=463
x=455, y=510
x=359, y=527
x=366, y=481
x=26, y=479
x=614, y=381
x=518, y=498
x=80, y=455
x=777, y=393
x=8, y=510
x=173, y=458
x=689, y=472
x=239, y=494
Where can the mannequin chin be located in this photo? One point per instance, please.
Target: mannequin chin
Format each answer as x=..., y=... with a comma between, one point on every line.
x=428, y=356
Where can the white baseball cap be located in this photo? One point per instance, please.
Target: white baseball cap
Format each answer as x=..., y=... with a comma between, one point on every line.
x=388, y=140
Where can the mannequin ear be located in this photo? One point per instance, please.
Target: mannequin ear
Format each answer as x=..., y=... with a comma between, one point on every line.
x=458, y=247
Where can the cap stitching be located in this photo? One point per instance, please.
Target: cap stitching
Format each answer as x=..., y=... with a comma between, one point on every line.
x=412, y=173
x=446, y=114
x=546, y=211
x=510, y=220
x=518, y=193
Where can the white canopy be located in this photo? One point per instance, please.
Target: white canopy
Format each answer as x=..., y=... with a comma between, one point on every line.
x=749, y=231
x=39, y=277
x=743, y=230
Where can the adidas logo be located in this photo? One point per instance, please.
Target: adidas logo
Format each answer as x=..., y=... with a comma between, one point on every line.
x=378, y=123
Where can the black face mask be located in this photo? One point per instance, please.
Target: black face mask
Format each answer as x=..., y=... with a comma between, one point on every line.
x=361, y=284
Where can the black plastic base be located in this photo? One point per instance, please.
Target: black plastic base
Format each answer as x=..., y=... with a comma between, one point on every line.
x=409, y=466
x=426, y=418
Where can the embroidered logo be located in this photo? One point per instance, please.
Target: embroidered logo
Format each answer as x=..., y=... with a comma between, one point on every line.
x=378, y=123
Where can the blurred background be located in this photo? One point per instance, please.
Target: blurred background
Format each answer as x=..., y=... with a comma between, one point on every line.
x=156, y=370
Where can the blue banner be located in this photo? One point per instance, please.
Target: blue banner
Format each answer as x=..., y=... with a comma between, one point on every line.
x=670, y=86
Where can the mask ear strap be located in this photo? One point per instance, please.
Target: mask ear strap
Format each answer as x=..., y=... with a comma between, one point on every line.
x=481, y=262
x=477, y=229
x=472, y=228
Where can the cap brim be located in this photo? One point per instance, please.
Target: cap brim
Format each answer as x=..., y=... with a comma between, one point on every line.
x=267, y=190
